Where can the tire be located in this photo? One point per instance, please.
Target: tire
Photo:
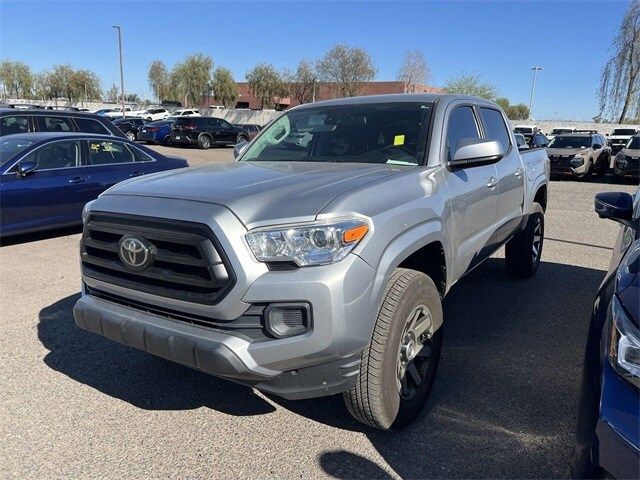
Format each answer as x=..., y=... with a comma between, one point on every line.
x=602, y=165
x=386, y=395
x=204, y=142
x=131, y=136
x=242, y=138
x=149, y=119
x=524, y=250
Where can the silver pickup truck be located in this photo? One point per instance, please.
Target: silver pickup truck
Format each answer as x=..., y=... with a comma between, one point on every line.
x=316, y=262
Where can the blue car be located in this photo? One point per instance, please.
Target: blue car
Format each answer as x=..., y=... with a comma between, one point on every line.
x=46, y=178
x=608, y=433
x=156, y=132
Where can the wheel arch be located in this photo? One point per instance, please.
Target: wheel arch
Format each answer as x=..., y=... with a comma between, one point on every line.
x=541, y=196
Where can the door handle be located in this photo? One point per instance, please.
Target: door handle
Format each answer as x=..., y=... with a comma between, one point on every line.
x=519, y=171
x=136, y=174
x=492, y=182
x=77, y=180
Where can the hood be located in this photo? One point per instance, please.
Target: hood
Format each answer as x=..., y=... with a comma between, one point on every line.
x=566, y=151
x=259, y=191
x=634, y=153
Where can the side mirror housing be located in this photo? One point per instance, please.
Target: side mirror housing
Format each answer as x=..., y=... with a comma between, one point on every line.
x=471, y=152
x=26, y=168
x=616, y=206
x=239, y=148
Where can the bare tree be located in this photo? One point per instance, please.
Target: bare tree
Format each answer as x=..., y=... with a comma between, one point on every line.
x=413, y=71
x=619, y=92
x=302, y=82
x=347, y=68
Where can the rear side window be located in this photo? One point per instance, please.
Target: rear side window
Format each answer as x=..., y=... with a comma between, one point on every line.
x=141, y=156
x=56, y=155
x=108, y=152
x=462, y=124
x=14, y=124
x=495, y=127
x=54, y=124
x=87, y=125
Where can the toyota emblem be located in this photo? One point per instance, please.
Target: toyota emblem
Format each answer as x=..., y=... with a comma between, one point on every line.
x=135, y=252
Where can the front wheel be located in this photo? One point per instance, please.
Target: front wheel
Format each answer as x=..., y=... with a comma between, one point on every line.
x=242, y=138
x=204, y=142
x=131, y=136
x=399, y=365
x=524, y=250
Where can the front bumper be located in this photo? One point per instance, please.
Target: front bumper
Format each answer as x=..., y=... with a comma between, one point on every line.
x=627, y=168
x=564, y=167
x=322, y=361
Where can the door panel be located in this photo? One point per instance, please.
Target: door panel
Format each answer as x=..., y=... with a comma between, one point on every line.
x=110, y=162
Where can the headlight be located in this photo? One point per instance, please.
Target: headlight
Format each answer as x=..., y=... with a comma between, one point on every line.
x=85, y=211
x=577, y=161
x=318, y=243
x=624, y=347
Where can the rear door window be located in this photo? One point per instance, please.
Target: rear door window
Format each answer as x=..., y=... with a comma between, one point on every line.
x=495, y=127
x=54, y=124
x=11, y=124
x=87, y=125
x=108, y=152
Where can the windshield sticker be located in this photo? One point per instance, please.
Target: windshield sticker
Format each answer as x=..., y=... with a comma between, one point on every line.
x=398, y=140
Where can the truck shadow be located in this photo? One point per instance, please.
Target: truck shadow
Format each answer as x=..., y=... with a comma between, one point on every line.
x=133, y=376
x=504, y=402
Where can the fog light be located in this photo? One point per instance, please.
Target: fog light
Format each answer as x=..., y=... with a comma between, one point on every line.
x=287, y=319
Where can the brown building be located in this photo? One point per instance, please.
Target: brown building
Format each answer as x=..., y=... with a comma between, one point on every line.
x=325, y=91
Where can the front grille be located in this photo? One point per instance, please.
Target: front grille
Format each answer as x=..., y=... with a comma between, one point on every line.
x=561, y=163
x=187, y=260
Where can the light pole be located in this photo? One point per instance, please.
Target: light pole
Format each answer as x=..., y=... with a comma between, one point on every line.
x=121, y=69
x=535, y=69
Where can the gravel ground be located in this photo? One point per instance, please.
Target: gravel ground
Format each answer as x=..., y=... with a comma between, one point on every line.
x=73, y=404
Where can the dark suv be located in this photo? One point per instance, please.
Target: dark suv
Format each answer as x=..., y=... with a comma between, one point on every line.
x=206, y=132
x=130, y=126
x=24, y=121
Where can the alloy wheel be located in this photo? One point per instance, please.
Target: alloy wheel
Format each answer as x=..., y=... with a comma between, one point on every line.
x=415, y=350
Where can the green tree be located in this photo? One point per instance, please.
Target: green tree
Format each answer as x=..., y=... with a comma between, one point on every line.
x=17, y=78
x=113, y=94
x=619, y=91
x=518, y=112
x=504, y=104
x=471, y=84
x=302, y=83
x=84, y=84
x=132, y=98
x=266, y=84
x=347, y=69
x=61, y=81
x=224, y=87
x=192, y=77
x=160, y=81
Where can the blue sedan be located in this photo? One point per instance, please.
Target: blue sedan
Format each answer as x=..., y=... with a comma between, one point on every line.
x=608, y=433
x=46, y=178
x=156, y=132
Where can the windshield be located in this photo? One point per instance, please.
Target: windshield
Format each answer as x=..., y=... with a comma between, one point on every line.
x=10, y=147
x=564, y=141
x=393, y=133
x=623, y=131
x=634, y=143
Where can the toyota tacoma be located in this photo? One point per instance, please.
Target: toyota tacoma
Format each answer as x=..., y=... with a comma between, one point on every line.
x=316, y=263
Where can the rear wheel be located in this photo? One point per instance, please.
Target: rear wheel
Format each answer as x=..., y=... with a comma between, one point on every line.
x=524, y=250
x=204, y=142
x=131, y=136
x=399, y=365
x=242, y=138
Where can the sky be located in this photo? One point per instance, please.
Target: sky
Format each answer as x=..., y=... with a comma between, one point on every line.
x=499, y=40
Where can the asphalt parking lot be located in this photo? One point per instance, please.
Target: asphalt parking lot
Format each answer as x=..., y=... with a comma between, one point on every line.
x=73, y=404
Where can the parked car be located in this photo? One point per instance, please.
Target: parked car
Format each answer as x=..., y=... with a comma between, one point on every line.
x=25, y=121
x=521, y=141
x=186, y=112
x=103, y=111
x=46, y=178
x=156, y=132
x=154, y=114
x=619, y=137
x=559, y=131
x=536, y=140
x=130, y=126
x=526, y=129
x=118, y=112
x=579, y=155
x=627, y=161
x=608, y=433
x=322, y=254
x=252, y=129
x=205, y=132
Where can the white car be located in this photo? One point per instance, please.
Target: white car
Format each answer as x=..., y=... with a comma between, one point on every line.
x=117, y=112
x=619, y=137
x=186, y=112
x=153, y=114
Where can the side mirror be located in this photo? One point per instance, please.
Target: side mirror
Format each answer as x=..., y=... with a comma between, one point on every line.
x=26, y=168
x=239, y=148
x=616, y=206
x=471, y=152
